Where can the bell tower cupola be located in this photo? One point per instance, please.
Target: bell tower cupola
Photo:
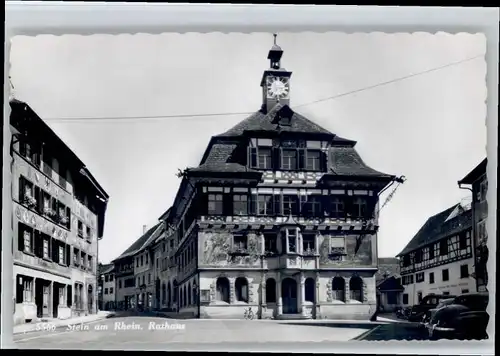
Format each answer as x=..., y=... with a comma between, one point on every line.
x=275, y=80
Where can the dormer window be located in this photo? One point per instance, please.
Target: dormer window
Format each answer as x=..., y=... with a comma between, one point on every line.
x=260, y=153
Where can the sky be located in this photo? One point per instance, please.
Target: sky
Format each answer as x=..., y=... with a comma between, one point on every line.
x=415, y=103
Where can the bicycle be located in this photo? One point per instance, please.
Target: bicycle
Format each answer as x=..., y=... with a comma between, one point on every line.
x=248, y=315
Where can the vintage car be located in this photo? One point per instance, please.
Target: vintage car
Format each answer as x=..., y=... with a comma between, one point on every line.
x=464, y=318
x=430, y=313
x=428, y=302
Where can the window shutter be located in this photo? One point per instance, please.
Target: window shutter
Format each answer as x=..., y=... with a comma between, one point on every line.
x=302, y=206
x=68, y=255
x=371, y=204
x=39, y=199
x=277, y=204
x=349, y=206
x=227, y=204
x=68, y=216
x=22, y=183
x=323, y=161
x=20, y=240
x=296, y=206
x=280, y=159
x=252, y=157
x=275, y=158
x=326, y=204
x=252, y=204
x=302, y=159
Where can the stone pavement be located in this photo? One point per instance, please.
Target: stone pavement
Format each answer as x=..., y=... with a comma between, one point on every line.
x=153, y=333
x=58, y=323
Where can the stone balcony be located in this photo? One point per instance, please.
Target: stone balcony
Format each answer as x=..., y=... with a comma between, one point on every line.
x=32, y=261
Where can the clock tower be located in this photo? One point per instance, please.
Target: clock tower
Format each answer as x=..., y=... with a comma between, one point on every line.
x=275, y=80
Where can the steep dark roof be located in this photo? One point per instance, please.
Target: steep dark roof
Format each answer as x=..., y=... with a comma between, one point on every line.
x=261, y=121
x=138, y=244
x=438, y=227
x=107, y=268
x=345, y=161
x=390, y=284
x=387, y=267
x=474, y=175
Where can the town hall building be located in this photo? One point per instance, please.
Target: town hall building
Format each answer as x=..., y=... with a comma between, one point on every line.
x=281, y=216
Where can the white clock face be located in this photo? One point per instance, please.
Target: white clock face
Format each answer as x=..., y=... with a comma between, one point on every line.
x=277, y=87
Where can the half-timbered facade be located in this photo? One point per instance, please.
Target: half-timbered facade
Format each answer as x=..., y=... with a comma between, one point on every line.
x=58, y=218
x=280, y=216
x=478, y=182
x=438, y=260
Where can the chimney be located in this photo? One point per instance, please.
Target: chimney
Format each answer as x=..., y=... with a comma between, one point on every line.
x=144, y=229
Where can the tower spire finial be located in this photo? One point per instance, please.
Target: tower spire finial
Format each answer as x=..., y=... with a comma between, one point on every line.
x=275, y=35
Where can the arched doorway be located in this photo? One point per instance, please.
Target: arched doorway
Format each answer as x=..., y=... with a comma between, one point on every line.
x=90, y=299
x=289, y=295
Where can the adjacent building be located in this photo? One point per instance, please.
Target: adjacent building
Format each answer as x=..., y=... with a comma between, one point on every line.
x=280, y=216
x=107, y=287
x=478, y=183
x=439, y=258
x=58, y=217
x=131, y=271
x=388, y=281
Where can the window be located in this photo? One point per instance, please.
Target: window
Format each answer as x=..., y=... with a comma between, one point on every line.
x=240, y=204
x=464, y=271
x=431, y=278
x=241, y=289
x=105, y=290
x=76, y=257
x=106, y=278
x=313, y=160
x=288, y=159
x=88, y=233
x=431, y=252
x=464, y=291
x=405, y=298
x=147, y=259
x=270, y=243
x=359, y=205
x=419, y=297
x=27, y=238
x=45, y=248
x=149, y=278
x=143, y=279
x=309, y=243
x=270, y=291
x=222, y=289
x=337, y=206
x=265, y=205
x=292, y=240
x=338, y=289
x=264, y=158
x=419, y=277
x=313, y=206
x=27, y=289
x=138, y=281
x=111, y=290
x=445, y=275
x=462, y=241
x=80, y=229
x=142, y=260
x=240, y=242
x=443, y=247
x=290, y=206
x=356, y=288
x=215, y=204
x=446, y=293
x=111, y=277
x=61, y=254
